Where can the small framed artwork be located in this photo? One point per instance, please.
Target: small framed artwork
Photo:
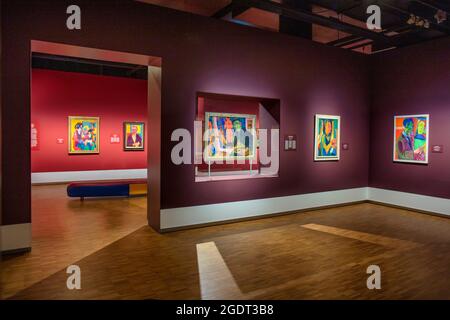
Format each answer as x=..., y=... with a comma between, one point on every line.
x=35, y=132
x=327, y=133
x=411, y=134
x=114, y=138
x=84, y=134
x=133, y=136
x=290, y=142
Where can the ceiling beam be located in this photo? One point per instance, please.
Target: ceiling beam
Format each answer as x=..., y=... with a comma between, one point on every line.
x=224, y=11
x=343, y=41
x=352, y=39
x=360, y=45
x=310, y=17
x=404, y=38
x=232, y=8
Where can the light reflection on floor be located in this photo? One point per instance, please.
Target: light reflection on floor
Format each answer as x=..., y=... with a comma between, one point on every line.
x=362, y=236
x=216, y=280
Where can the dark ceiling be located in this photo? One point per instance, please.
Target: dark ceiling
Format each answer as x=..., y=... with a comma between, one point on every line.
x=396, y=32
x=97, y=67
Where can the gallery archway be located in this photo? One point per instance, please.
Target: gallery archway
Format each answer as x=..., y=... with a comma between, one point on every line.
x=112, y=105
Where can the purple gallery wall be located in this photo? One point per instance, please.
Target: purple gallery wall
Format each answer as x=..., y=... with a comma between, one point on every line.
x=199, y=54
x=408, y=81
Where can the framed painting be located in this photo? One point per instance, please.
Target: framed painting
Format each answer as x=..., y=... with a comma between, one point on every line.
x=229, y=136
x=84, y=135
x=327, y=133
x=411, y=134
x=133, y=136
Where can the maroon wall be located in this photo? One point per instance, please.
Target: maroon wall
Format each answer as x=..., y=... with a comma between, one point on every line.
x=57, y=95
x=413, y=80
x=199, y=54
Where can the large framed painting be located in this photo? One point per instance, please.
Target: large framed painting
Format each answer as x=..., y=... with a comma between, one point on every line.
x=229, y=136
x=84, y=135
x=327, y=133
x=133, y=136
x=411, y=138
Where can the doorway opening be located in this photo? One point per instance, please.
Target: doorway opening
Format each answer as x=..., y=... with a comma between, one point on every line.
x=95, y=119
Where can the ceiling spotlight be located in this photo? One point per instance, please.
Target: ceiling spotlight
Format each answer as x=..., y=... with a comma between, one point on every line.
x=418, y=21
x=412, y=19
x=440, y=16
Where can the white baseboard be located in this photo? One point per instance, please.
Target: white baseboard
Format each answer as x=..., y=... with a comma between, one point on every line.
x=411, y=200
x=15, y=237
x=196, y=215
x=189, y=216
x=69, y=176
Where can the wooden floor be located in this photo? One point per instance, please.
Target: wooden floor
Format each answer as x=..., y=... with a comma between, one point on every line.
x=67, y=230
x=320, y=254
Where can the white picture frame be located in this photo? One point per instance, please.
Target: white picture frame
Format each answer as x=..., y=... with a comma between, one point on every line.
x=317, y=156
x=395, y=158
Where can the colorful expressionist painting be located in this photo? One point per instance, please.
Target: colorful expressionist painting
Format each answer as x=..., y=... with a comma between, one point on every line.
x=411, y=138
x=133, y=136
x=327, y=137
x=84, y=135
x=229, y=136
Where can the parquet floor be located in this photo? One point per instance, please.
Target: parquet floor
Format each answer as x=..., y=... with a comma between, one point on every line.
x=67, y=230
x=319, y=254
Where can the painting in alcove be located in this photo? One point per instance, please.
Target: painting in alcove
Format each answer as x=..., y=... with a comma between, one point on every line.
x=84, y=135
x=411, y=138
x=327, y=137
x=229, y=136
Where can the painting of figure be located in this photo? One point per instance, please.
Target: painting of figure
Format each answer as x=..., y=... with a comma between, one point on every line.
x=229, y=136
x=134, y=135
x=411, y=138
x=84, y=135
x=327, y=137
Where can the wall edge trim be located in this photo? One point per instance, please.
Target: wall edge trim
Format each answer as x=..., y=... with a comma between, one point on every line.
x=200, y=216
x=15, y=237
x=412, y=201
x=89, y=175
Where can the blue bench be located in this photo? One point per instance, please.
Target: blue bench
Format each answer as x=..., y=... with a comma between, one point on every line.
x=118, y=188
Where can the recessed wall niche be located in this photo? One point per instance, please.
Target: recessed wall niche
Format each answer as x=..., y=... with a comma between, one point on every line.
x=233, y=137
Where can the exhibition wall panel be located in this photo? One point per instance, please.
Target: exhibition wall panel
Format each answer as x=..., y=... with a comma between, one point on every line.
x=200, y=54
x=306, y=78
x=411, y=81
x=57, y=95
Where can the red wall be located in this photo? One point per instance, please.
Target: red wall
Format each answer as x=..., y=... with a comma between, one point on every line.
x=57, y=95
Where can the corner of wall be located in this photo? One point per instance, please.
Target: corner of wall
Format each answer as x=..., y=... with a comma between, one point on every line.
x=371, y=61
x=1, y=112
